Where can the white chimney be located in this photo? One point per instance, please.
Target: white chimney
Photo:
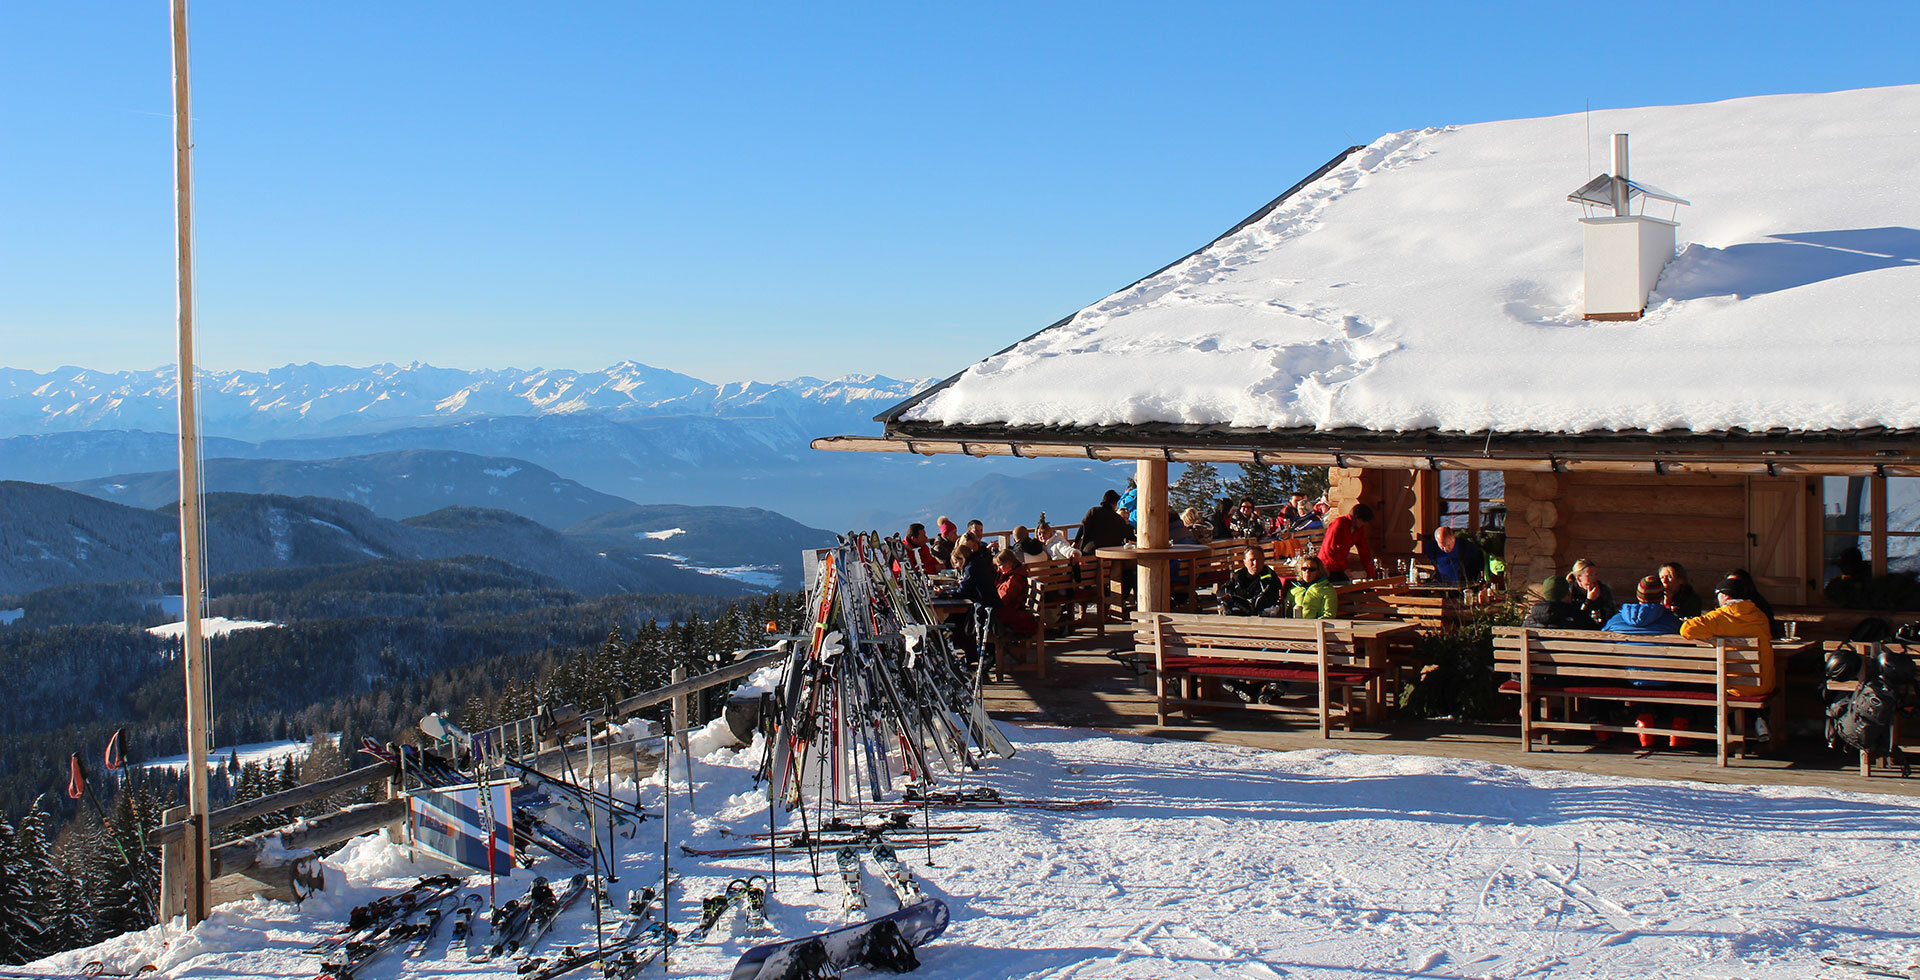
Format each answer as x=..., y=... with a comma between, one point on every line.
x=1624, y=251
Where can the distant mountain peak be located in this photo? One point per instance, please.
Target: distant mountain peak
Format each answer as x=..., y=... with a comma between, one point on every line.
x=301, y=400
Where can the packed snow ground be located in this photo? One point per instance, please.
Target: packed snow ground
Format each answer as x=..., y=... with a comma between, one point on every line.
x=1221, y=861
x=1434, y=280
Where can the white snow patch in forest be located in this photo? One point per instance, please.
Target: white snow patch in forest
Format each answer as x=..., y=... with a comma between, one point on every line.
x=260, y=752
x=503, y=474
x=9, y=615
x=1223, y=861
x=668, y=555
x=210, y=626
x=659, y=535
x=762, y=576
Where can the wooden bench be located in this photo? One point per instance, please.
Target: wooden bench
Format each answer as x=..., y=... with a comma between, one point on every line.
x=1190, y=650
x=1205, y=576
x=1582, y=665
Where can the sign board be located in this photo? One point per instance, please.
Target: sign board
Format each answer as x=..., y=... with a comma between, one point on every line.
x=450, y=822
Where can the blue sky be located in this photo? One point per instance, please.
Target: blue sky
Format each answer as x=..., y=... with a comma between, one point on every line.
x=749, y=191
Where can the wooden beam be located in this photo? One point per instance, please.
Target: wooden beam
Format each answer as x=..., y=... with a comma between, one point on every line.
x=172, y=831
x=567, y=721
x=263, y=849
x=1877, y=493
x=1599, y=459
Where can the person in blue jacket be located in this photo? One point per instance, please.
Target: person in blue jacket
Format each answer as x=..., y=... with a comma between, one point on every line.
x=1456, y=561
x=1649, y=616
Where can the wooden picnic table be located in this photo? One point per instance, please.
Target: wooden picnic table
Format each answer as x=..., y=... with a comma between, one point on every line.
x=1162, y=600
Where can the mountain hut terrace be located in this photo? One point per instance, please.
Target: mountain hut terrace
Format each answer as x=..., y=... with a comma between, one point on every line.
x=1436, y=318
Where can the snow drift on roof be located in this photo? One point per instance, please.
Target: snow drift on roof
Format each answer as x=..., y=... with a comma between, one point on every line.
x=1433, y=281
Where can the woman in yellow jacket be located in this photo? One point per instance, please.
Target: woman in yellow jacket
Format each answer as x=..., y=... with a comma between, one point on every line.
x=1737, y=616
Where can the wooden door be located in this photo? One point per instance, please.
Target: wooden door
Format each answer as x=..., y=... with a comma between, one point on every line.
x=1777, y=537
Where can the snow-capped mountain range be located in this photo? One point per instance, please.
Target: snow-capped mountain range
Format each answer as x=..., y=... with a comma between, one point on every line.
x=639, y=433
x=305, y=400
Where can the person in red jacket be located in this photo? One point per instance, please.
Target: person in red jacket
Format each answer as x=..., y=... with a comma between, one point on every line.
x=1011, y=585
x=1344, y=534
x=917, y=551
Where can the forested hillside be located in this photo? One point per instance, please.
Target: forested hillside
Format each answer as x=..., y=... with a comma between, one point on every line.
x=51, y=537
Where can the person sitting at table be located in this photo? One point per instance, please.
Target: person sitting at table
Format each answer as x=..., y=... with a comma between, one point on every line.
x=1222, y=519
x=918, y=554
x=1254, y=589
x=1680, y=598
x=1345, y=534
x=1737, y=615
x=1649, y=616
x=1592, y=595
x=942, y=546
x=1177, y=530
x=1247, y=522
x=1103, y=527
x=978, y=583
x=976, y=530
x=1010, y=585
x=1556, y=609
x=1028, y=548
x=1314, y=596
x=1057, y=544
x=1201, y=528
x=1293, y=513
x=1848, y=589
x=1754, y=596
x=1456, y=560
x=1129, y=501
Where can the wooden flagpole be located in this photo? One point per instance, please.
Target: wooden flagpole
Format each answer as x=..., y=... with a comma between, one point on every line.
x=194, y=655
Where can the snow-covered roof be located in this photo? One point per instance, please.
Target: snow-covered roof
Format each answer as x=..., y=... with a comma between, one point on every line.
x=1432, y=281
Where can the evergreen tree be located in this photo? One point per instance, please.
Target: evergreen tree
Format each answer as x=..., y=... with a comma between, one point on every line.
x=35, y=887
x=1258, y=481
x=1198, y=487
x=125, y=887
x=14, y=926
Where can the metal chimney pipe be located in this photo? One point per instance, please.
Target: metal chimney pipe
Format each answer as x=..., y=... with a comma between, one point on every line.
x=1620, y=175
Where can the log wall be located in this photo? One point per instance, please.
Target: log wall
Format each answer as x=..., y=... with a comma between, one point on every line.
x=1626, y=524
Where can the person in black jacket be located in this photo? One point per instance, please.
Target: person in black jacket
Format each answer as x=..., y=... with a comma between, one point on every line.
x=1557, y=610
x=1593, y=596
x=1222, y=519
x=1254, y=589
x=1103, y=527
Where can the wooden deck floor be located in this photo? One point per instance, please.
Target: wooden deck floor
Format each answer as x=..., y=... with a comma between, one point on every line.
x=1085, y=689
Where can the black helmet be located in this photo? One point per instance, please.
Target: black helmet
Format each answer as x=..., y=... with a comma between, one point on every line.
x=1896, y=667
x=1843, y=664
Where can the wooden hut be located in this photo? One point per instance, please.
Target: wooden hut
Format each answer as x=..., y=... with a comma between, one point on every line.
x=1484, y=319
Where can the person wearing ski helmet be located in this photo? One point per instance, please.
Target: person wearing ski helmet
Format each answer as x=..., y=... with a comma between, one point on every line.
x=1737, y=616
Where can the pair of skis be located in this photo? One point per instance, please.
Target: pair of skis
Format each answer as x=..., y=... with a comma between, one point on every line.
x=636, y=943
x=520, y=924
x=747, y=895
x=346, y=962
x=893, y=870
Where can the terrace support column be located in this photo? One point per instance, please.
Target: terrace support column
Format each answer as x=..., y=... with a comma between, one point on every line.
x=1154, y=586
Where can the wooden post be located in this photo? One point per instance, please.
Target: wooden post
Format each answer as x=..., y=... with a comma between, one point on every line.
x=194, y=655
x=679, y=710
x=1877, y=526
x=174, y=868
x=1153, y=589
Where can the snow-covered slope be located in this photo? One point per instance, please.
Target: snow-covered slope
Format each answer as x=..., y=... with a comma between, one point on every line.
x=1433, y=280
x=1217, y=861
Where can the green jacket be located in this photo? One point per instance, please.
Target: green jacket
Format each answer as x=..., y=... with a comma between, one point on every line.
x=1316, y=601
